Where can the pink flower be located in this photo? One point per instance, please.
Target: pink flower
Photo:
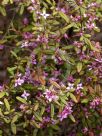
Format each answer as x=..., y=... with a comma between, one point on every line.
x=79, y=86
x=1, y=88
x=85, y=130
x=22, y=107
x=64, y=114
x=50, y=95
x=25, y=95
x=19, y=82
x=95, y=103
x=25, y=21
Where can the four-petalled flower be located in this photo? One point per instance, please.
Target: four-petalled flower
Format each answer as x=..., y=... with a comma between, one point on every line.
x=44, y=14
x=25, y=95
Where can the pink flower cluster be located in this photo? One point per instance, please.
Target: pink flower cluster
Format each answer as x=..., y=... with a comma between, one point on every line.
x=95, y=103
x=67, y=111
x=50, y=95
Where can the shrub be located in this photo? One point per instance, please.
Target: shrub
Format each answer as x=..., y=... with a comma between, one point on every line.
x=54, y=68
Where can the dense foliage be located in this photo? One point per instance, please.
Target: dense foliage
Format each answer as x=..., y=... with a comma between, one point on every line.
x=54, y=68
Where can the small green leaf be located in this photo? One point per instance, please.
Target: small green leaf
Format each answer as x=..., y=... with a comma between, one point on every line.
x=14, y=54
x=5, y=2
x=55, y=127
x=21, y=100
x=38, y=117
x=88, y=42
x=13, y=128
x=72, y=117
x=64, y=16
x=52, y=110
x=2, y=94
x=34, y=124
x=42, y=110
x=36, y=106
x=63, y=100
x=11, y=1
x=21, y=9
x=35, y=132
x=14, y=119
x=84, y=101
x=73, y=97
x=1, y=114
x=79, y=67
x=67, y=27
x=7, y=104
x=11, y=70
x=55, y=84
x=6, y=120
x=2, y=11
x=49, y=1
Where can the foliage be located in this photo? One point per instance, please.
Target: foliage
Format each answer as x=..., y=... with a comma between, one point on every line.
x=55, y=69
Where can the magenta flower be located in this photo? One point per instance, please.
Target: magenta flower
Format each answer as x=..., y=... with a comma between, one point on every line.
x=79, y=86
x=25, y=21
x=64, y=114
x=25, y=95
x=19, y=82
x=95, y=103
x=45, y=121
x=70, y=78
x=1, y=88
x=50, y=95
x=85, y=130
x=33, y=59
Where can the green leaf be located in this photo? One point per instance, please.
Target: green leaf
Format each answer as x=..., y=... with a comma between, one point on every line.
x=79, y=66
x=48, y=1
x=7, y=104
x=14, y=54
x=63, y=100
x=67, y=27
x=73, y=97
x=38, y=117
x=72, y=117
x=2, y=11
x=13, y=128
x=2, y=94
x=11, y=1
x=14, y=119
x=64, y=16
x=42, y=110
x=1, y=114
x=84, y=101
x=7, y=121
x=88, y=42
x=55, y=84
x=21, y=9
x=36, y=106
x=34, y=124
x=35, y=132
x=11, y=70
x=5, y=2
x=52, y=110
x=55, y=127
x=21, y=100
